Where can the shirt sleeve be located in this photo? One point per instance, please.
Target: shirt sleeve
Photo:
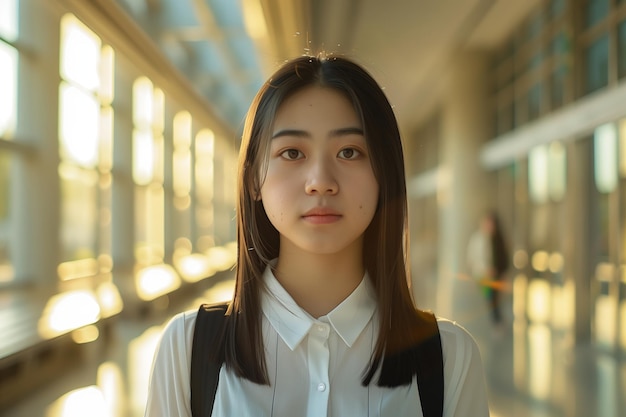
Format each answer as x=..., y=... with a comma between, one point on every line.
x=465, y=392
x=169, y=392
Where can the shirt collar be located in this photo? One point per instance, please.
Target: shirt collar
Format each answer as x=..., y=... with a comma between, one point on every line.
x=292, y=323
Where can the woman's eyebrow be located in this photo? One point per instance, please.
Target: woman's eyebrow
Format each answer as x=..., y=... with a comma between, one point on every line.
x=291, y=132
x=344, y=131
x=347, y=131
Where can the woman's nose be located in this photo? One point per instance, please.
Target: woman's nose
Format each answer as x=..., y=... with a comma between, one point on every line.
x=321, y=178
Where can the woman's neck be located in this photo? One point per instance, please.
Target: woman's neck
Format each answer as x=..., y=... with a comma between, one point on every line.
x=319, y=282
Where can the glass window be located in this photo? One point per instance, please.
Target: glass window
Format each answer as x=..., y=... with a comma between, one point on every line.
x=597, y=64
x=204, y=179
x=79, y=191
x=80, y=54
x=535, y=25
x=605, y=157
x=560, y=45
x=557, y=171
x=556, y=8
x=85, y=148
x=8, y=86
x=505, y=118
x=538, y=174
x=78, y=126
x=8, y=120
x=535, y=61
x=8, y=19
x=534, y=101
x=6, y=271
x=621, y=50
x=148, y=118
x=622, y=148
x=557, y=87
x=181, y=163
x=596, y=10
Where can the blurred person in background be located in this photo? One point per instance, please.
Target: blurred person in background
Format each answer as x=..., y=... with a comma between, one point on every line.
x=488, y=262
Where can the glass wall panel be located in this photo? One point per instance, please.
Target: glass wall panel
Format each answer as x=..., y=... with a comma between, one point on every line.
x=621, y=50
x=8, y=121
x=205, y=179
x=148, y=172
x=78, y=126
x=595, y=11
x=535, y=26
x=80, y=54
x=85, y=148
x=79, y=213
x=557, y=171
x=505, y=118
x=622, y=207
x=597, y=64
x=622, y=148
x=534, y=102
x=538, y=174
x=8, y=19
x=605, y=158
x=557, y=87
x=8, y=86
x=556, y=8
x=6, y=271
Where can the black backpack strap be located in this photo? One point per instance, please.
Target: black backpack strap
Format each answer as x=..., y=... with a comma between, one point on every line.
x=423, y=359
x=430, y=370
x=205, y=362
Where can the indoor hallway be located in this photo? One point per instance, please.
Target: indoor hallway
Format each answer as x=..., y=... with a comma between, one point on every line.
x=531, y=371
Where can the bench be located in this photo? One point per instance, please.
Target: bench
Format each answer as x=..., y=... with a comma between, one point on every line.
x=31, y=353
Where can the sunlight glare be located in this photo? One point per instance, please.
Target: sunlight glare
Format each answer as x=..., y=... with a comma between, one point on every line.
x=87, y=401
x=110, y=379
x=222, y=257
x=80, y=54
x=143, y=157
x=79, y=125
x=605, y=315
x=539, y=261
x=110, y=299
x=557, y=171
x=140, y=355
x=194, y=267
x=605, y=157
x=143, y=103
x=540, y=362
x=8, y=98
x=8, y=19
x=538, y=174
x=68, y=311
x=539, y=296
x=156, y=280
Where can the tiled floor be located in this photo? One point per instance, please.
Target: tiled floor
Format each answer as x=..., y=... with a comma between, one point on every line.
x=531, y=372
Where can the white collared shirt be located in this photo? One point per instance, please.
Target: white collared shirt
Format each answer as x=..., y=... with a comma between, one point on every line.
x=315, y=366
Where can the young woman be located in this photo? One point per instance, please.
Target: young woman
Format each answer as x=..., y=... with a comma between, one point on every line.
x=322, y=311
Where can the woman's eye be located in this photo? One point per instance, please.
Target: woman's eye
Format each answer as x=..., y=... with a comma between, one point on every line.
x=291, y=154
x=349, y=153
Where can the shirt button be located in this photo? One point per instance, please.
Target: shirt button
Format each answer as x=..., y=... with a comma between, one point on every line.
x=321, y=387
x=320, y=328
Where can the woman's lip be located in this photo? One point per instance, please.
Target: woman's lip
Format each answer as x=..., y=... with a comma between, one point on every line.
x=321, y=218
x=321, y=211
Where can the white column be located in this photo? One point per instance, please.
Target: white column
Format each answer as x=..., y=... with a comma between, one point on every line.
x=467, y=190
x=36, y=196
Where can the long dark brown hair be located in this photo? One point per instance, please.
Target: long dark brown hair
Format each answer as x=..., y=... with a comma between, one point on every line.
x=385, y=240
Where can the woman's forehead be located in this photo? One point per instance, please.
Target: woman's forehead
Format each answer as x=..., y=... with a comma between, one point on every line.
x=316, y=104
